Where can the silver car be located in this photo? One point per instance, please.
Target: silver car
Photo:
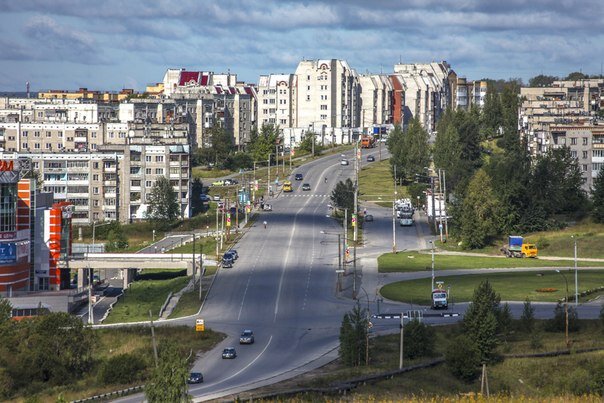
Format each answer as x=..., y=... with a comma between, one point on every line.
x=247, y=337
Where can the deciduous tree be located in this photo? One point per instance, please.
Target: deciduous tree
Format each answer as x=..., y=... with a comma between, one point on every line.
x=597, y=194
x=342, y=196
x=163, y=206
x=168, y=382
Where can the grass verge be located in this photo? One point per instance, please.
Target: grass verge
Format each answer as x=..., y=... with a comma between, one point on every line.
x=511, y=286
x=146, y=295
x=414, y=261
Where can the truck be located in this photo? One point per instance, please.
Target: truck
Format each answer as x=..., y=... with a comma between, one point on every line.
x=406, y=216
x=516, y=247
x=367, y=141
x=440, y=299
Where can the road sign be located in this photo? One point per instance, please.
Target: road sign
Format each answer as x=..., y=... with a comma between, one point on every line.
x=200, y=325
x=354, y=220
x=340, y=271
x=228, y=219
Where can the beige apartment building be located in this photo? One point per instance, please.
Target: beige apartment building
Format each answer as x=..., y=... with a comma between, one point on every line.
x=469, y=93
x=277, y=99
x=377, y=97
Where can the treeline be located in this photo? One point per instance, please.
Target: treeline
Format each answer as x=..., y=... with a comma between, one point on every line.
x=220, y=151
x=494, y=187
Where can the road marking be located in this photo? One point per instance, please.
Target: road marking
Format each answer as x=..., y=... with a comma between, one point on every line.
x=253, y=361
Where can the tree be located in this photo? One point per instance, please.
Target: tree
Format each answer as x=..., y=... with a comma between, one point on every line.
x=342, y=195
x=542, y=81
x=6, y=310
x=168, y=382
x=262, y=143
x=575, y=76
x=197, y=205
x=491, y=119
x=602, y=316
x=447, y=151
x=122, y=369
x=480, y=210
x=558, y=322
x=395, y=147
x=419, y=339
x=463, y=358
x=414, y=150
x=353, y=336
x=221, y=144
x=116, y=239
x=504, y=320
x=527, y=319
x=597, y=194
x=480, y=322
x=163, y=206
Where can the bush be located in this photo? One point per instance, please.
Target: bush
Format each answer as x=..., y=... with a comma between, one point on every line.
x=6, y=383
x=536, y=341
x=463, y=358
x=527, y=319
x=602, y=316
x=122, y=369
x=419, y=339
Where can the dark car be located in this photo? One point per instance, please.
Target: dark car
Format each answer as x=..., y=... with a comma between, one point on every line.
x=306, y=186
x=195, y=377
x=229, y=255
x=205, y=198
x=370, y=158
x=247, y=337
x=229, y=352
x=227, y=263
x=234, y=253
x=368, y=218
x=299, y=177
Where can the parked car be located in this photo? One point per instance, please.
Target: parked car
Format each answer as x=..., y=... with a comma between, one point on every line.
x=234, y=253
x=229, y=255
x=218, y=183
x=344, y=162
x=229, y=181
x=267, y=207
x=216, y=198
x=247, y=337
x=229, y=352
x=368, y=218
x=306, y=186
x=299, y=177
x=370, y=158
x=205, y=198
x=227, y=263
x=195, y=377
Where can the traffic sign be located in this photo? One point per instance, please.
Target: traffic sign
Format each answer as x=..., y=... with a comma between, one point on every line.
x=354, y=220
x=200, y=325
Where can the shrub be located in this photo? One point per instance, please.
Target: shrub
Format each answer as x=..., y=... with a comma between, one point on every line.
x=527, y=319
x=122, y=369
x=463, y=358
x=602, y=316
x=536, y=340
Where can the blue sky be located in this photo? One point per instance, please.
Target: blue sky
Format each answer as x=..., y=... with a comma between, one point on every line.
x=115, y=44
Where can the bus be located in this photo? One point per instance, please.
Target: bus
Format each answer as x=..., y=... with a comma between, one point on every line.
x=287, y=186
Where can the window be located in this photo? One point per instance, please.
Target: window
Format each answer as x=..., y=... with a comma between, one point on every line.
x=585, y=141
x=148, y=184
x=308, y=78
x=36, y=134
x=597, y=153
x=25, y=133
x=323, y=107
x=159, y=158
x=584, y=167
x=48, y=146
x=95, y=190
x=308, y=97
x=95, y=165
x=147, y=158
x=584, y=154
x=573, y=154
x=159, y=171
x=573, y=141
x=24, y=145
x=135, y=182
x=95, y=177
x=37, y=146
x=48, y=134
x=148, y=171
x=95, y=203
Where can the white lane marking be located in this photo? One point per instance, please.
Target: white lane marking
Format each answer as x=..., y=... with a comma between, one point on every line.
x=249, y=279
x=253, y=361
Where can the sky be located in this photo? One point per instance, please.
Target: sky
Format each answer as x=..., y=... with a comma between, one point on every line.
x=115, y=44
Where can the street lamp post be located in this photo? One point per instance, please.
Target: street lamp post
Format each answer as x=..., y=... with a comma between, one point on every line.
x=432, y=242
x=367, y=328
x=339, y=277
x=565, y=310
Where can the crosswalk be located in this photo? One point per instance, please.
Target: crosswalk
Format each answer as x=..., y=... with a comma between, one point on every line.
x=304, y=195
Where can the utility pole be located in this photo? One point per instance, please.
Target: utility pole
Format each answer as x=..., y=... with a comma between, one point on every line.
x=432, y=242
x=268, y=179
x=354, y=215
x=393, y=226
x=345, y=235
x=400, y=360
x=200, y=268
x=153, y=340
x=445, y=204
x=339, y=263
x=90, y=308
x=576, y=275
x=216, y=234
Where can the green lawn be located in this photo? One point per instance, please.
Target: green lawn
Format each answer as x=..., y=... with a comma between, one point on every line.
x=414, y=261
x=511, y=286
x=145, y=295
x=189, y=303
x=206, y=245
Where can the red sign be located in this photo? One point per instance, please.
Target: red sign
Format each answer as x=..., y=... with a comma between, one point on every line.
x=7, y=165
x=8, y=235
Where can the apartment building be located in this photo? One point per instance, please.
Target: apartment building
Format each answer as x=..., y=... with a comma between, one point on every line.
x=376, y=96
x=428, y=89
x=469, y=93
x=85, y=94
x=566, y=114
x=277, y=99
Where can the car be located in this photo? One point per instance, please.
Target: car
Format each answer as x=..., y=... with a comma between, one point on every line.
x=234, y=253
x=306, y=186
x=229, y=255
x=216, y=198
x=229, y=182
x=368, y=218
x=267, y=207
x=227, y=263
x=205, y=198
x=299, y=177
x=370, y=158
x=229, y=353
x=247, y=337
x=218, y=183
x=195, y=377
x=344, y=162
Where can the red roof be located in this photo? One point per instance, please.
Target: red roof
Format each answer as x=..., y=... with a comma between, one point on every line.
x=189, y=78
x=205, y=78
x=218, y=89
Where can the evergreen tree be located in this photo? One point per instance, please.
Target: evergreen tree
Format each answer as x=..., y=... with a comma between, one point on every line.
x=463, y=358
x=480, y=321
x=353, y=336
x=480, y=210
x=163, y=206
x=597, y=193
x=415, y=150
x=196, y=192
x=221, y=144
x=347, y=343
x=491, y=119
x=396, y=148
x=504, y=320
x=168, y=381
x=419, y=339
x=527, y=319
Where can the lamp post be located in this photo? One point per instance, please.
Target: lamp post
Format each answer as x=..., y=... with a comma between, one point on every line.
x=366, y=329
x=565, y=310
x=576, y=274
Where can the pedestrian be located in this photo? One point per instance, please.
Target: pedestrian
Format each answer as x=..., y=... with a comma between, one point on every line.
x=163, y=250
x=265, y=224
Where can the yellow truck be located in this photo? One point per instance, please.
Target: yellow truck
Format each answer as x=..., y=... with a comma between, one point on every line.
x=516, y=247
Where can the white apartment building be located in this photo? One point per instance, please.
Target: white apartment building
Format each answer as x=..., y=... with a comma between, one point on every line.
x=277, y=100
x=376, y=106
x=428, y=89
x=327, y=96
x=469, y=93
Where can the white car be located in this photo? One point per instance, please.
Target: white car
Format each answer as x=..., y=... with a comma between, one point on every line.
x=344, y=162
